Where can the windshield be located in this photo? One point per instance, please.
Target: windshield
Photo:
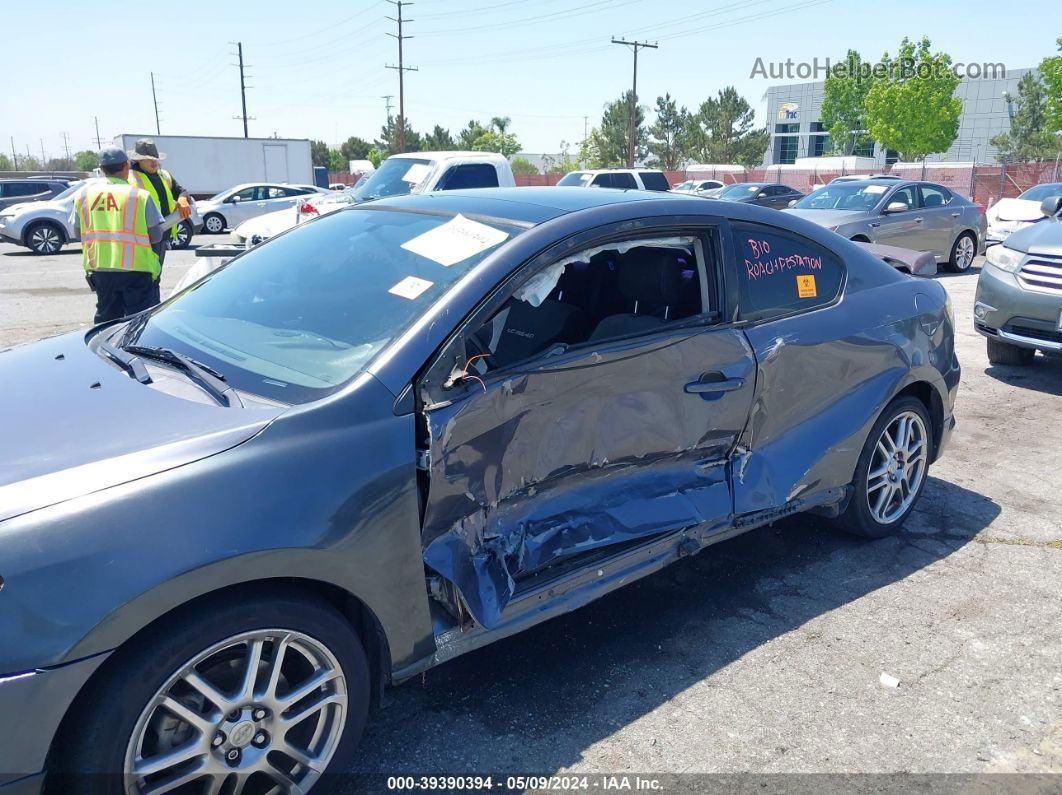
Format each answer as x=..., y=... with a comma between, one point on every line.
x=843, y=196
x=296, y=318
x=684, y=185
x=1041, y=192
x=739, y=190
x=394, y=177
x=577, y=178
x=69, y=191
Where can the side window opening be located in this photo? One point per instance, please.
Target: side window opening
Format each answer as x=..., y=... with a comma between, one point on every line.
x=621, y=179
x=602, y=293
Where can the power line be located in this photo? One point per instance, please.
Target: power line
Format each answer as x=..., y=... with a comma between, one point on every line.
x=634, y=45
x=402, y=69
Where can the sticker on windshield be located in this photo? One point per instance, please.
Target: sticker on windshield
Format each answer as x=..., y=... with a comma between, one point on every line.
x=875, y=189
x=416, y=173
x=806, y=286
x=410, y=287
x=456, y=240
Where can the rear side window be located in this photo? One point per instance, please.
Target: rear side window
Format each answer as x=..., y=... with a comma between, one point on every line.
x=779, y=273
x=470, y=175
x=933, y=196
x=24, y=188
x=603, y=181
x=654, y=180
x=621, y=179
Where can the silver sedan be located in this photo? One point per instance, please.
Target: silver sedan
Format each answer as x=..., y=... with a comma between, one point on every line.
x=908, y=214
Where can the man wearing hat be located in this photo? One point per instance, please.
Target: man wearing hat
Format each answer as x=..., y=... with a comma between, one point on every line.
x=147, y=174
x=118, y=225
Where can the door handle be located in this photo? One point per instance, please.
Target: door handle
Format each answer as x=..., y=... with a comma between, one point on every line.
x=955, y=215
x=703, y=387
x=875, y=224
x=918, y=220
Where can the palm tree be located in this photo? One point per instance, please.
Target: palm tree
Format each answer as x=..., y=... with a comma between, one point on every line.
x=500, y=123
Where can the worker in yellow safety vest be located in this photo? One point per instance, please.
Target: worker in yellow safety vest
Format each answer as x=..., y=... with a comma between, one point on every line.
x=167, y=194
x=118, y=223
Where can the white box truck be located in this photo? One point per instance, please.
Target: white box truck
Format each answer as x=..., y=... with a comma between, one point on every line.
x=205, y=165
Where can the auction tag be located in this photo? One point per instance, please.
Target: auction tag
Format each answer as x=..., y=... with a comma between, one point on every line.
x=410, y=287
x=875, y=189
x=806, y=286
x=456, y=240
x=416, y=173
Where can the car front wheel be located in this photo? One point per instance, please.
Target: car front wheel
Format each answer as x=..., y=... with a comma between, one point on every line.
x=214, y=224
x=185, y=230
x=261, y=695
x=44, y=238
x=963, y=252
x=1002, y=353
x=891, y=472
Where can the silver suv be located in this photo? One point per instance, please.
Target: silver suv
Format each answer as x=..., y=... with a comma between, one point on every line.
x=20, y=191
x=1019, y=292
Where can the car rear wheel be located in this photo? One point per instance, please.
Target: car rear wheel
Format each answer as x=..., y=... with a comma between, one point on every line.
x=891, y=471
x=260, y=695
x=214, y=223
x=45, y=238
x=963, y=252
x=185, y=230
x=1002, y=353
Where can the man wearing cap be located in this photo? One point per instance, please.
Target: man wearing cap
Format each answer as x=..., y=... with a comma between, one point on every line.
x=147, y=174
x=118, y=224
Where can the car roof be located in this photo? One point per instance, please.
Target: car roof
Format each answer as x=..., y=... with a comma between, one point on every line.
x=446, y=155
x=890, y=181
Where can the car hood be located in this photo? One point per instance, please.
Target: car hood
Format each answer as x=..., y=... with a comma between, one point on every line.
x=1042, y=238
x=266, y=225
x=828, y=217
x=72, y=424
x=18, y=209
x=1015, y=210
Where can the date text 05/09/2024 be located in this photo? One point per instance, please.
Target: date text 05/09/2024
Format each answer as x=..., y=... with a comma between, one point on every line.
x=603, y=783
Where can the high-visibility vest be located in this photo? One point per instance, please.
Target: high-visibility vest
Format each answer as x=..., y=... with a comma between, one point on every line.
x=114, y=229
x=140, y=180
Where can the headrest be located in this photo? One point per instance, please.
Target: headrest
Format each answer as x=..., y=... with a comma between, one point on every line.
x=657, y=276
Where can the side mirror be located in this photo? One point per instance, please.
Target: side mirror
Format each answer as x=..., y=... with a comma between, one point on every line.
x=1051, y=205
x=233, y=200
x=791, y=202
x=896, y=207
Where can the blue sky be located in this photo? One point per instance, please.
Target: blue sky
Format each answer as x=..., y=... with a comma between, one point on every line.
x=317, y=68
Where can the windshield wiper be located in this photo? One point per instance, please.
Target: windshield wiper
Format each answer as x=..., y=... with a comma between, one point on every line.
x=207, y=377
x=128, y=362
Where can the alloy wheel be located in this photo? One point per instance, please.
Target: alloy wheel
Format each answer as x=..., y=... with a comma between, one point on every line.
x=214, y=224
x=260, y=712
x=45, y=240
x=897, y=467
x=183, y=236
x=964, y=252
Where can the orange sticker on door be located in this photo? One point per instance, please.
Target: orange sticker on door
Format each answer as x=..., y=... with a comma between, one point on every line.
x=806, y=286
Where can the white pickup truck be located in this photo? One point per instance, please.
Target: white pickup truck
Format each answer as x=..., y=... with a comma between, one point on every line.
x=412, y=172
x=398, y=175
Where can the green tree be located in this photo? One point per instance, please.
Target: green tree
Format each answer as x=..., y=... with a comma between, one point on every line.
x=721, y=131
x=468, y=136
x=667, y=135
x=606, y=146
x=375, y=156
x=388, y=140
x=319, y=153
x=1027, y=140
x=494, y=141
x=59, y=164
x=844, y=97
x=336, y=162
x=355, y=148
x=521, y=165
x=912, y=108
x=86, y=160
x=1051, y=70
x=439, y=140
x=5, y=163
x=500, y=123
x=28, y=163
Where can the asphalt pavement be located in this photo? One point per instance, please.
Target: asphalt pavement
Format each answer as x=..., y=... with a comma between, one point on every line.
x=775, y=652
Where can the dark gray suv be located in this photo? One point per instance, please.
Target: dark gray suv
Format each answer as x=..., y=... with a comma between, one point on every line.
x=19, y=191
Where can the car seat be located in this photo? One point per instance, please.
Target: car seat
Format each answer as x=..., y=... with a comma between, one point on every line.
x=660, y=285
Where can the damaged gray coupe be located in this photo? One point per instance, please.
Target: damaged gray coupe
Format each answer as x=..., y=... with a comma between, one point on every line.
x=407, y=429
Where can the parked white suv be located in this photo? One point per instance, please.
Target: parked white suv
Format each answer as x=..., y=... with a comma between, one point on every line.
x=624, y=178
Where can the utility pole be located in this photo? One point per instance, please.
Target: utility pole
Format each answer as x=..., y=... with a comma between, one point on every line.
x=634, y=45
x=243, y=89
x=44, y=159
x=99, y=143
x=402, y=69
x=66, y=145
x=155, y=100
x=388, y=104
x=14, y=157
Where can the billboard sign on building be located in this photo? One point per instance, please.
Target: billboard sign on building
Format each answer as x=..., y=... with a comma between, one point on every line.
x=788, y=111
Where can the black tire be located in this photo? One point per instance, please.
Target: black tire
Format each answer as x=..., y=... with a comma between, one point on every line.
x=956, y=262
x=857, y=518
x=96, y=735
x=45, y=237
x=214, y=223
x=860, y=239
x=1002, y=353
x=185, y=230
